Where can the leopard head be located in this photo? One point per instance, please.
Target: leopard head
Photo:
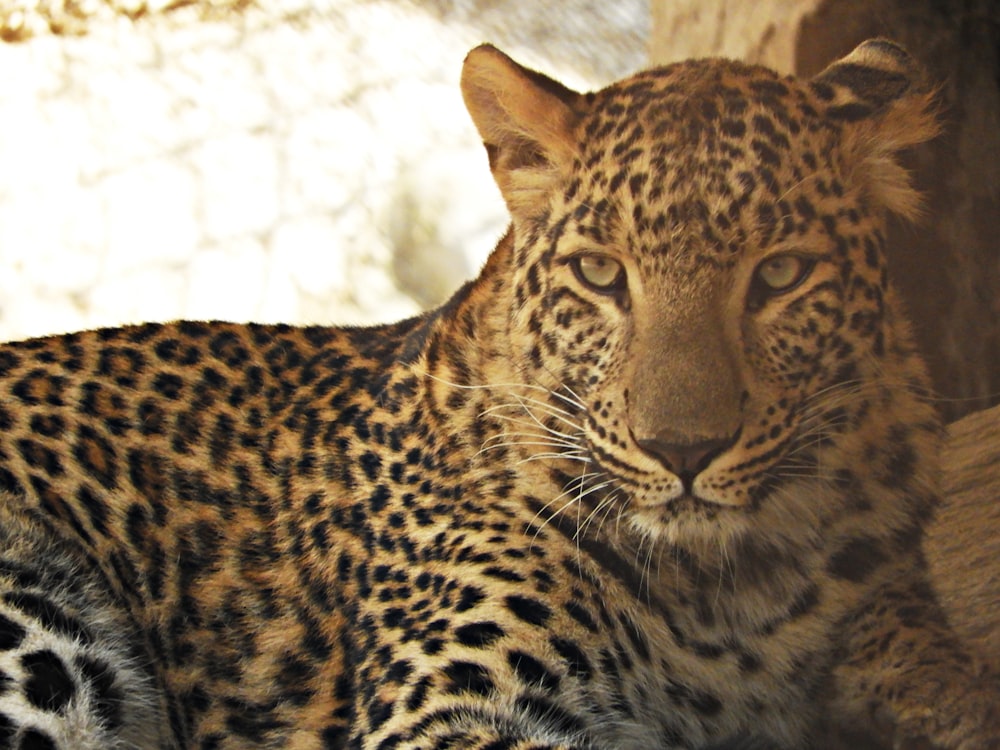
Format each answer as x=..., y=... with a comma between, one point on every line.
x=697, y=264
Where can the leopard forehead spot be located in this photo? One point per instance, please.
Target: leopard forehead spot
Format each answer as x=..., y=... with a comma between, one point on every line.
x=706, y=159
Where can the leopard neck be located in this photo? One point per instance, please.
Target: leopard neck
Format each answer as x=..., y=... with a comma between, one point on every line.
x=464, y=354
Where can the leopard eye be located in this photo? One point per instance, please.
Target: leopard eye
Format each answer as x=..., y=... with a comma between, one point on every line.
x=599, y=272
x=777, y=275
x=782, y=272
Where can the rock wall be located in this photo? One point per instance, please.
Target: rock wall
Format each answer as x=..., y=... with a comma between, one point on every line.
x=948, y=267
x=762, y=32
x=292, y=160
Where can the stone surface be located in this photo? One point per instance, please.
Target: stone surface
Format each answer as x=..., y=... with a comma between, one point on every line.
x=763, y=32
x=291, y=161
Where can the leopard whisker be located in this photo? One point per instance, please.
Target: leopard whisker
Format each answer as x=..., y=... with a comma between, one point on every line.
x=521, y=403
x=646, y=567
x=617, y=505
x=545, y=408
x=538, y=423
x=571, y=487
x=605, y=508
x=559, y=453
x=573, y=399
x=552, y=409
x=486, y=386
x=585, y=523
x=583, y=458
x=810, y=439
x=546, y=437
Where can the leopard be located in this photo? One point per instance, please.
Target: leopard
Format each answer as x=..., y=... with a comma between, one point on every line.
x=658, y=477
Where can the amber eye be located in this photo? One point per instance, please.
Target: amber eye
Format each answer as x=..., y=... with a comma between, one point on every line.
x=777, y=275
x=782, y=272
x=600, y=272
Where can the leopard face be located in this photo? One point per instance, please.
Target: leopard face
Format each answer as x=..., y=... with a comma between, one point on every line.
x=706, y=282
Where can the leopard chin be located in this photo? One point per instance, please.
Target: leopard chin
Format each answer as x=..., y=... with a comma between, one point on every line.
x=690, y=523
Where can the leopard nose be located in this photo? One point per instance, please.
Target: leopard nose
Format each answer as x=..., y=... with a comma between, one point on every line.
x=684, y=459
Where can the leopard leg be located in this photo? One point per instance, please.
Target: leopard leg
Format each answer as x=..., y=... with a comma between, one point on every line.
x=904, y=672
x=70, y=673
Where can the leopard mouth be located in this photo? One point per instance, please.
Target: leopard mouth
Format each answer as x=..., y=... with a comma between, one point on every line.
x=659, y=490
x=687, y=462
x=687, y=504
x=669, y=471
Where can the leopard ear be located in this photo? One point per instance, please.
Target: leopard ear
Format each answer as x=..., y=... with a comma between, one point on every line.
x=880, y=94
x=526, y=121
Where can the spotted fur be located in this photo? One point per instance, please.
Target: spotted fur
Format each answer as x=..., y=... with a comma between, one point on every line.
x=657, y=478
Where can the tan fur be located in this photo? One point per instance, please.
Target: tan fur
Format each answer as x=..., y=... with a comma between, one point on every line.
x=870, y=145
x=963, y=542
x=530, y=128
x=889, y=183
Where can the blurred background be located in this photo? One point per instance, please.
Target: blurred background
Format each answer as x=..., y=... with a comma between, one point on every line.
x=290, y=161
x=296, y=161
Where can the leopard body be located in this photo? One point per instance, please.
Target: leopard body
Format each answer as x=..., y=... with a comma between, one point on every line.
x=658, y=477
